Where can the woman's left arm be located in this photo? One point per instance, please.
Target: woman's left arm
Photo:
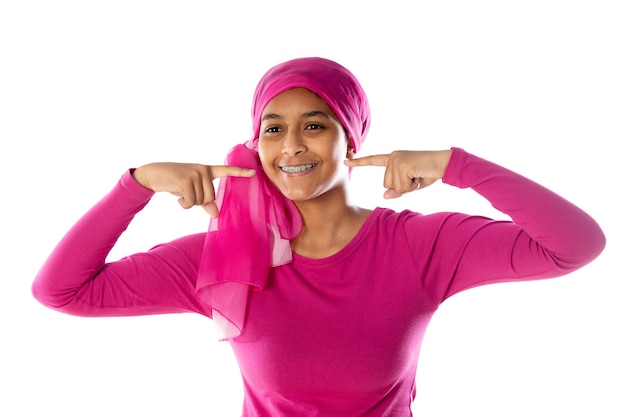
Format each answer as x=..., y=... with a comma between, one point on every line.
x=547, y=237
x=571, y=236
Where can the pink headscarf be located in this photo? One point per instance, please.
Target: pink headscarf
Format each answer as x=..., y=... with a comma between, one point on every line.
x=256, y=221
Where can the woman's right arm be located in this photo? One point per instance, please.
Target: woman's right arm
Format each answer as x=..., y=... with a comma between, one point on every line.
x=76, y=279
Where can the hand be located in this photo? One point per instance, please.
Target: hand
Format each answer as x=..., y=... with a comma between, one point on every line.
x=192, y=183
x=406, y=171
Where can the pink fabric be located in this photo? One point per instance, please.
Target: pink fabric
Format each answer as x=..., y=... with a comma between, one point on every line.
x=256, y=222
x=338, y=336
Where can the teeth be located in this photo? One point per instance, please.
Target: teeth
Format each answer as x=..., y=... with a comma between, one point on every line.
x=299, y=168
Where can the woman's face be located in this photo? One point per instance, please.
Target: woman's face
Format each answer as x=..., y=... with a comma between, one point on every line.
x=302, y=145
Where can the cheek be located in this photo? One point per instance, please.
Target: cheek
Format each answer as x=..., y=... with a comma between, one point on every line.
x=341, y=148
x=264, y=155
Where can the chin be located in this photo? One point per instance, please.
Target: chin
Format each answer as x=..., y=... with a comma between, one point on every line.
x=298, y=195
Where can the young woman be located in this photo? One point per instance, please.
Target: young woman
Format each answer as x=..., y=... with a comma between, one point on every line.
x=324, y=303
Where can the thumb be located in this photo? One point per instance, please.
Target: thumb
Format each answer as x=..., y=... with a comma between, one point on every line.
x=212, y=209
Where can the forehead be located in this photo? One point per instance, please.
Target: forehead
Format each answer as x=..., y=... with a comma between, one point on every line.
x=296, y=100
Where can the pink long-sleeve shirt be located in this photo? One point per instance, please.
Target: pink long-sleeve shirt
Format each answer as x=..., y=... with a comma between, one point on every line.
x=338, y=336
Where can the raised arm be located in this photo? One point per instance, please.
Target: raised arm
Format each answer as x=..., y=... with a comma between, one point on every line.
x=570, y=235
x=547, y=237
x=76, y=279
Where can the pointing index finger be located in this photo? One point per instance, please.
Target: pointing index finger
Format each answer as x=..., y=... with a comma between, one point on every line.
x=218, y=171
x=379, y=160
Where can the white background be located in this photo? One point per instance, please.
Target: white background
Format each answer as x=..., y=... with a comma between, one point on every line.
x=91, y=88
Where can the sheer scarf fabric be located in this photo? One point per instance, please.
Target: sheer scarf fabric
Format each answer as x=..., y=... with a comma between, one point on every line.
x=257, y=222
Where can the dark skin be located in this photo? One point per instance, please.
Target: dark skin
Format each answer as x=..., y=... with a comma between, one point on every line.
x=305, y=152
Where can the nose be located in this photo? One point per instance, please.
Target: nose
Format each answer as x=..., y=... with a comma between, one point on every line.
x=293, y=143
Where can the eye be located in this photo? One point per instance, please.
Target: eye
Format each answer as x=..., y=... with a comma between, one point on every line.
x=271, y=129
x=314, y=126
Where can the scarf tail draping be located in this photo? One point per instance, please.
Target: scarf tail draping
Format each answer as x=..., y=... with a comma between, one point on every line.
x=256, y=221
x=251, y=235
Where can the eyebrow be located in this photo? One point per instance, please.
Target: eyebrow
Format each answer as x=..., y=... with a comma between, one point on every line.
x=304, y=115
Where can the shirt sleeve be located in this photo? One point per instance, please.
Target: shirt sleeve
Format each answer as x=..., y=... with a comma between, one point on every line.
x=547, y=236
x=76, y=279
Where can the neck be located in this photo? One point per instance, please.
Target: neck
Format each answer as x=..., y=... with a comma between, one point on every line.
x=329, y=222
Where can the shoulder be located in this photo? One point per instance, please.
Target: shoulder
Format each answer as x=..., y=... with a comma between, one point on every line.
x=416, y=228
x=389, y=217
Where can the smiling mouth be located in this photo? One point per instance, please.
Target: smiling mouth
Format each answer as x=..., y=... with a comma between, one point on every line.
x=297, y=168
